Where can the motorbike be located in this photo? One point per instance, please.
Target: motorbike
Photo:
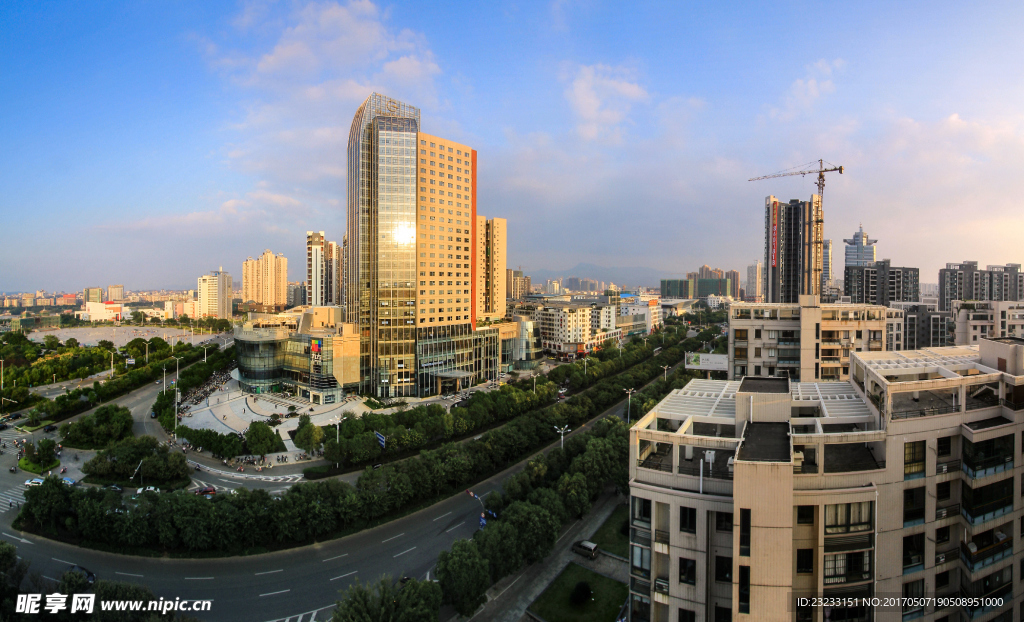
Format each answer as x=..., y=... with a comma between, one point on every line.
x=63, y=470
x=197, y=468
x=14, y=469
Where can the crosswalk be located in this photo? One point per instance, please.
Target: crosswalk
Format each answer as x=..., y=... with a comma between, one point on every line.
x=10, y=498
x=324, y=613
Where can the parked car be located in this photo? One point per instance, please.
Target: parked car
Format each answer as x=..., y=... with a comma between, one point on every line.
x=50, y=428
x=114, y=488
x=152, y=415
x=90, y=577
x=35, y=481
x=585, y=548
x=147, y=489
x=4, y=426
x=67, y=481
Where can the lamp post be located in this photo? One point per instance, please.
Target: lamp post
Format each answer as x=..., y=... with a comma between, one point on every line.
x=337, y=434
x=204, y=352
x=629, y=403
x=666, y=368
x=534, y=383
x=147, y=353
x=1, y=374
x=562, y=430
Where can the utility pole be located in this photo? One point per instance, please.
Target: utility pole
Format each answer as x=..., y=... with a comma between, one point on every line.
x=666, y=368
x=629, y=404
x=562, y=431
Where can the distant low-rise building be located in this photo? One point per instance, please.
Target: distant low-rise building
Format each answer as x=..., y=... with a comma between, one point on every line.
x=986, y=319
x=924, y=326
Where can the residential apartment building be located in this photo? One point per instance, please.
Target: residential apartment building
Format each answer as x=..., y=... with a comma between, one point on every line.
x=880, y=283
x=675, y=288
x=807, y=341
x=860, y=250
x=265, y=280
x=980, y=319
x=92, y=294
x=826, y=264
x=793, y=249
x=567, y=328
x=924, y=326
x=517, y=286
x=733, y=276
x=214, y=298
x=316, y=275
x=965, y=281
x=755, y=282
x=899, y=484
x=115, y=292
x=490, y=268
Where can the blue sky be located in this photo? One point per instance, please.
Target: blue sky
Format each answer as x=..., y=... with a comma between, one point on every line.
x=146, y=143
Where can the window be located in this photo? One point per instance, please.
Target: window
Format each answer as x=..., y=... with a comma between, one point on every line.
x=913, y=553
x=685, y=615
x=805, y=515
x=805, y=561
x=745, y=532
x=641, y=561
x=913, y=506
x=848, y=517
x=642, y=511
x=942, y=535
x=945, y=446
x=942, y=491
x=914, y=592
x=740, y=353
x=757, y=333
x=744, y=605
x=687, y=519
x=847, y=567
x=687, y=571
x=941, y=579
x=913, y=460
x=741, y=334
x=723, y=522
x=723, y=569
x=757, y=352
x=723, y=614
x=859, y=334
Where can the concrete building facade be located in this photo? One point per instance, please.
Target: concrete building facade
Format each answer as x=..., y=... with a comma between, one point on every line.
x=265, y=279
x=755, y=282
x=491, y=278
x=517, y=285
x=214, y=298
x=881, y=283
x=808, y=341
x=900, y=484
x=980, y=319
x=924, y=326
x=965, y=281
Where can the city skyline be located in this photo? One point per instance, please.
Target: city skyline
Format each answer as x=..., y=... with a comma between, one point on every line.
x=246, y=152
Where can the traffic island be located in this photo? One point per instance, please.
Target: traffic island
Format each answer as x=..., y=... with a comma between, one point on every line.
x=27, y=465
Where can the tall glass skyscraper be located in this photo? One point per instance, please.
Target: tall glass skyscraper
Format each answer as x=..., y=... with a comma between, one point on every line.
x=381, y=254
x=860, y=250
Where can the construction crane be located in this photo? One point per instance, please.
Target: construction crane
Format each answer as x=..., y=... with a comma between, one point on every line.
x=821, y=170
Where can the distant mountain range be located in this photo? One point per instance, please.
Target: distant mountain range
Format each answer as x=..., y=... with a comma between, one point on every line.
x=632, y=276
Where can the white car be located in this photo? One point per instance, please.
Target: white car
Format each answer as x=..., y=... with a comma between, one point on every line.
x=147, y=489
x=35, y=481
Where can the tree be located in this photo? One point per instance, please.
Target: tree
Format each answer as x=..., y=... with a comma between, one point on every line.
x=105, y=344
x=464, y=576
x=415, y=601
x=575, y=493
x=71, y=343
x=580, y=594
x=260, y=438
x=309, y=437
x=45, y=451
x=50, y=342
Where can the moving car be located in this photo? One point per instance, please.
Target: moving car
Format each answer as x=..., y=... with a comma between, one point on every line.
x=67, y=481
x=50, y=428
x=147, y=489
x=209, y=490
x=585, y=548
x=90, y=577
x=35, y=481
x=114, y=488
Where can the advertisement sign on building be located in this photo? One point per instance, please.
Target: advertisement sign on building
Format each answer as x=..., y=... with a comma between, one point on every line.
x=775, y=233
x=709, y=362
x=316, y=356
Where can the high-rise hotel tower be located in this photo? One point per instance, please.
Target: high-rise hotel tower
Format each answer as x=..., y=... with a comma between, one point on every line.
x=410, y=285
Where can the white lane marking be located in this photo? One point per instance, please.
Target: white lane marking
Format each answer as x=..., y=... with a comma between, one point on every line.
x=270, y=572
x=345, y=575
x=404, y=552
x=392, y=538
x=441, y=516
x=567, y=531
x=128, y=574
x=50, y=578
x=17, y=538
x=506, y=589
x=456, y=527
x=62, y=561
x=198, y=578
x=273, y=593
x=335, y=557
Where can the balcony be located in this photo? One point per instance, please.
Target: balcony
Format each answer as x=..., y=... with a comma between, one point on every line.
x=831, y=360
x=993, y=601
x=977, y=468
x=789, y=342
x=946, y=555
x=661, y=585
x=640, y=586
x=949, y=466
x=947, y=511
x=977, y=514
x=982, y=557
x=831, y=341
x=850, y=576
x=710, y=471
x=661, y=536
x=788, y=361
x=911, y=413
x=1013, y=405
x=643, y=538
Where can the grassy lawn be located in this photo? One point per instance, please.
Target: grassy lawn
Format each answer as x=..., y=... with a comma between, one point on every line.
x=33, y=428
x=32, y=467
x=554, y=605
x=610, y=537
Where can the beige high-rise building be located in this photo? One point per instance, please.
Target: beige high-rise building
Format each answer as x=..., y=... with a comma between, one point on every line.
x=808, y=340
x=265, y=279
x=490, y=268
x=893, y=496
x=517, y=286
x=115, y=292
x=316, y=276
x=214, y=295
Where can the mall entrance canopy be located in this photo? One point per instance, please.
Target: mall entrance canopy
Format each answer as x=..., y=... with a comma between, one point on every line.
x=452, y=381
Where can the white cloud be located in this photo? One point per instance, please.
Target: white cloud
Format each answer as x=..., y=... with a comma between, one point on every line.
x=804, y=92
x=602, y=97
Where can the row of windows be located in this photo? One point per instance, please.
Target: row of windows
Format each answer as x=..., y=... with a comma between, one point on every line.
x=423, y=143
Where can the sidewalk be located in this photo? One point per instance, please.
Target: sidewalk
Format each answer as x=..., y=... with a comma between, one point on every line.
x=508, y=599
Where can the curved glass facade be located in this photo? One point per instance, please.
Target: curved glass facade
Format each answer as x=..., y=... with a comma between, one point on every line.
x=279, y=362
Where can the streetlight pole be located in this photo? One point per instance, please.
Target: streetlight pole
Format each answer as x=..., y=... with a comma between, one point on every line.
x=562, y=430
x=629, y=404
x=666, y=368
x=1, y=375
x=204, y=352
x=177, y=363
x=535, y=383
x=147, y=353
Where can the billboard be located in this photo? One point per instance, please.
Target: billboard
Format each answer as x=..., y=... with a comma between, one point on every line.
x=710, y=362
x=775, y=233
x=316, y=355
